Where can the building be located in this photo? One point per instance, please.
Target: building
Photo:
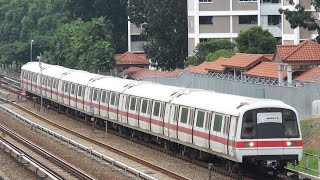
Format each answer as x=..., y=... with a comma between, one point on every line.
x=135, y=40
x=129, y=59
x=226, y=18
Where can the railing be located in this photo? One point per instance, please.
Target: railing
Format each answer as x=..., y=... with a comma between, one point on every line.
x=310, y=164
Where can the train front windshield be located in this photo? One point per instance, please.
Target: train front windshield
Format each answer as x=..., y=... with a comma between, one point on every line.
x=269, y=123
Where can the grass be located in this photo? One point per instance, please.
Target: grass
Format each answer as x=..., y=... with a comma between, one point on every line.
x=306, y=126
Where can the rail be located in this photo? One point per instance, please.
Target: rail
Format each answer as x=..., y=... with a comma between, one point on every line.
x=88, y=150
x=64, y=165
x=26, y=159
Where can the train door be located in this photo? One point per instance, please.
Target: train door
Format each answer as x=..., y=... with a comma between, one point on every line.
x=185, y=123
x=216, y=140
x=66, y=93
x=113, y=105
x=225, y=135
x=73, y=95
x=173, y=121
x=49, y=88
x=133, y=111
x=123, y=108
x=43, y=86
x=96, y=101
x=232, y=136
x=157, y=116
x=54, y=90
x=61, y=90
x=34, y=83
x=167, y=119
x=200, y=130
x=80, y=97
x=38, y=84
x=104, y=103
x=144, y=114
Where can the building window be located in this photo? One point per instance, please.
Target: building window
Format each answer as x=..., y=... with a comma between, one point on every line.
x=274, y=19
x=206, y=20
x=248, y=0
x=137, y=38
x=271, y=1
x=248, y=19
x=205, y=0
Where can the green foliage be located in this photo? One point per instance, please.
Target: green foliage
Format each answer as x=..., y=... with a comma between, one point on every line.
x=114, y=10
x=256, y=41
x=220, y=53
x=165, y=30
x=302, y=18
x=83, y=45
x=211, y=46
x=191, y=60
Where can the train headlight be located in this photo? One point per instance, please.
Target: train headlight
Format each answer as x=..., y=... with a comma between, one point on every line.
x=249, y=144
x=291, y=143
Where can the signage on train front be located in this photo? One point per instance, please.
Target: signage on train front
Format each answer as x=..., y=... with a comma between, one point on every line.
x=270, y=117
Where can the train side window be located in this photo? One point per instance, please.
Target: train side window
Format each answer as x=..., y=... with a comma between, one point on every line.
x=144, y=106
x=226, y=125
x=72, y=88
x=90, y=94
x=217, y=123
x=66, y=87
x=113, y=99
x=103, y=96
x=80, y=91
x=156, y=109
x=96, y=94
x=48, y=82
x=248, y=125
x=200, y=119
x=34, y=77
x=133, y=102
x=184, y=115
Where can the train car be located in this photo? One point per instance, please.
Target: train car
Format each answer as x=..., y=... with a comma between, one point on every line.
x=241, y=130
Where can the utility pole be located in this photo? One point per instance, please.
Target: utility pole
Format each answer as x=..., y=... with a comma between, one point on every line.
x=41, y=80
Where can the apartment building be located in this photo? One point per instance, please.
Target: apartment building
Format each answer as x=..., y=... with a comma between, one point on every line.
x=226, y=18
x=135, y=40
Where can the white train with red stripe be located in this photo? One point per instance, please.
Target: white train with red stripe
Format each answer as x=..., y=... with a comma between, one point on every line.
x=196, y=122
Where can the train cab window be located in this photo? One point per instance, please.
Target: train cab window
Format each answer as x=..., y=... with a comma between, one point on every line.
x=156, y=109
x=248, y=126
x=217, y=123
x=290, y=126
x=133, y=102
x=184, y=115
x=144, y=106
x=200, y=119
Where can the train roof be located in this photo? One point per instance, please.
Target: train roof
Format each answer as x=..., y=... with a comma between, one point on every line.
x=34, y=66
x=56, y=71
x=224, y=103
x=80, y=77
x=154, y=91
x=110, y=83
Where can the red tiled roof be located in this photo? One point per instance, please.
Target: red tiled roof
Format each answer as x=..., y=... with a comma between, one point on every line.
x=311, y=75
x=241, y=60
x=216, y=65
x=268, y=56
x=201, y=68
x=305, y=51
x=131, y=58
x=266, y=70
x=139, y=73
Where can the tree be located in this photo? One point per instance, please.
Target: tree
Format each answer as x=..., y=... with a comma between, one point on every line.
x=256, y=41
x=166, y=30
x=302, y=18
x=220, y=53
x=83, y=45
x=211, y=46
x=114, y=10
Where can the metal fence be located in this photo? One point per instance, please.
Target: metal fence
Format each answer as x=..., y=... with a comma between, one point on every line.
x=296, y=94
x=310, y=164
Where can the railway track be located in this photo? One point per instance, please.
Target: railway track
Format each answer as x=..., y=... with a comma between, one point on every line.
x=52, y=158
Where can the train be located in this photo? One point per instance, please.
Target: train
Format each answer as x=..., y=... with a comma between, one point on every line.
x=202, y=124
